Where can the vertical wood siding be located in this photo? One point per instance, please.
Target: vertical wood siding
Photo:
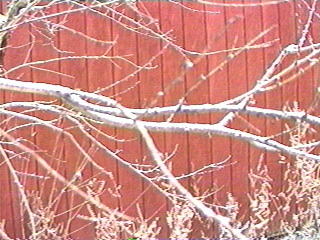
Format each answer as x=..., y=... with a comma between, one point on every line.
x=193, y=29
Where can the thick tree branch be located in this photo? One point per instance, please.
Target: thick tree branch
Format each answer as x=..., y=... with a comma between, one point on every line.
x=75, y=100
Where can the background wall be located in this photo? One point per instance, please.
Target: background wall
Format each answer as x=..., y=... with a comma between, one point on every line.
x=196, y=28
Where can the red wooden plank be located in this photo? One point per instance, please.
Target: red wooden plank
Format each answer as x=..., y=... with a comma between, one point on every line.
x=220, y=147
x=199, y=146
x=304, y=83
x=74, y=45
x=274, y=98
x=315, y=36
x=255, y=69
x=174, y=87
x=171, y=19
x=237, y=80
x=100, y=76
x=45, y=48
x=154, y=202
x=6, y=207
x=18, y=54
x=127, y=94
x=288, y=33
x=197, y=92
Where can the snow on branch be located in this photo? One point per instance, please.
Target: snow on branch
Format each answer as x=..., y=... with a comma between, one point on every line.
x=103, y=114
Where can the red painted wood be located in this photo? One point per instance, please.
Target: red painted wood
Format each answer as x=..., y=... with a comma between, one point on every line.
x=197, y=91
x=237, y=83
x=195, y=31
x=220, y=147
x=155, y=204
x=255, y=70
x=6, y=207
x=100, y=76
x=18, y=53
x=274, y=98
x=316, y=71
x=304, y=90
x=75, y=45
x=171, y=19
x=45, y=48
x=127, y=93
x=217, y=27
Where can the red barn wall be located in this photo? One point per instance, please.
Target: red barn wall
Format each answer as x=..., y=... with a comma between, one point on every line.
x=195, y=27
